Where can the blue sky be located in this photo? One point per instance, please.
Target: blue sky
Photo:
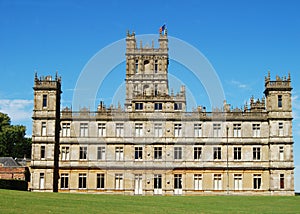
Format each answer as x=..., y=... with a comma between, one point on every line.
x=241, y=39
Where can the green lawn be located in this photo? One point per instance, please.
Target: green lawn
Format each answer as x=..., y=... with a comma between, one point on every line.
x=29, y=202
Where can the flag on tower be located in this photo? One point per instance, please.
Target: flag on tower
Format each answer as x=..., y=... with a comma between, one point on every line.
x=162, y=29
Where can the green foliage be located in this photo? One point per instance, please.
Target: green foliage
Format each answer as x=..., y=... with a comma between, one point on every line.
x=32, y=202
x=13, y=142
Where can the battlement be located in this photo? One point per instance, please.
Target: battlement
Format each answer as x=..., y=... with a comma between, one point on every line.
x=47, y=82
x=279, y=84
x=150, y=49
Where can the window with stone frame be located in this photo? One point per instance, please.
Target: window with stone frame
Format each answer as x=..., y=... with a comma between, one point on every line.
x=217, y=153
x=237, y=130
x=256, y=153
x=64, y=181
x=177, y=153
x=197, y=130
x=237, y=153
x=100, y=181
x=83, y=153
x=256, y=129
x=101, y=130
x=217, y=130
x=66, y=129
x=257, y=181
x=157, y=153
x=82, y=181
x=84, y=129
x=178, y=130
x=197, y=152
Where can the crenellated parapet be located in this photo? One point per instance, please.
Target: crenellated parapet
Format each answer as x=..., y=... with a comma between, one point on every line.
x=280, y=83
x=47, y=82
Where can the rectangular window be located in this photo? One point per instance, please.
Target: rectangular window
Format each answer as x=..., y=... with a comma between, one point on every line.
x=84, y=129
x=256, y=153
x=64, y=181
x=177, y=130
x=177, y=153
x=281, y=153
x=44, y=100
x=43, y=151
x=158, y=130
x=237, y=153
x=197, y=153
x=139, y=106
x=66, y=131
x=217, y=153
x=82, y=181
x=257, y=181
x=100, y=181
x=119, y=153
x=237, y=130
x=155, y=90
x=177, y=106
x=138, y=153
x=138, y=184
x=157, y=181
x=119, y=181
x=136, y=66
x=155, y=66
x=42, y=180
x=157, y=153
x=237, y=181
x=197, y=181
x=138, y=129
x=279, y=101
x=157, y=106
x=120, y=129
x=101, y=153
x=281, y=181
x=256, y=130
x=280, y=129
x=178, y=181
x=217, y=182
x=101, y=130
x=44, y=129
x=83, y=153
x=217, y=130
x=65, y=153
x=197, y=130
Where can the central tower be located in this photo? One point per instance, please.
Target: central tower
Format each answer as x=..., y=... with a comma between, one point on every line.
x=147, y=75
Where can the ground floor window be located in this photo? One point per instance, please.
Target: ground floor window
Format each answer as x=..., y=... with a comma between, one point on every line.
x=281, y=181
x=197, y=181
x=237, y=181
x=217, y=181
x=177, y=181
x=64, y=181
x=119, y=181
x=82, y=181
x=256, y=181
x=42, y=180
x=100, y=181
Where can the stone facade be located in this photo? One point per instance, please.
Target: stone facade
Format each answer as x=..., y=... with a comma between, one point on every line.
x=154, y=146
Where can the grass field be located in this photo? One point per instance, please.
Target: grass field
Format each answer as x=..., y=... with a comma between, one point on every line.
x=29, y=202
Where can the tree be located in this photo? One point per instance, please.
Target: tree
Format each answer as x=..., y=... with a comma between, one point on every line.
x=13, y=142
